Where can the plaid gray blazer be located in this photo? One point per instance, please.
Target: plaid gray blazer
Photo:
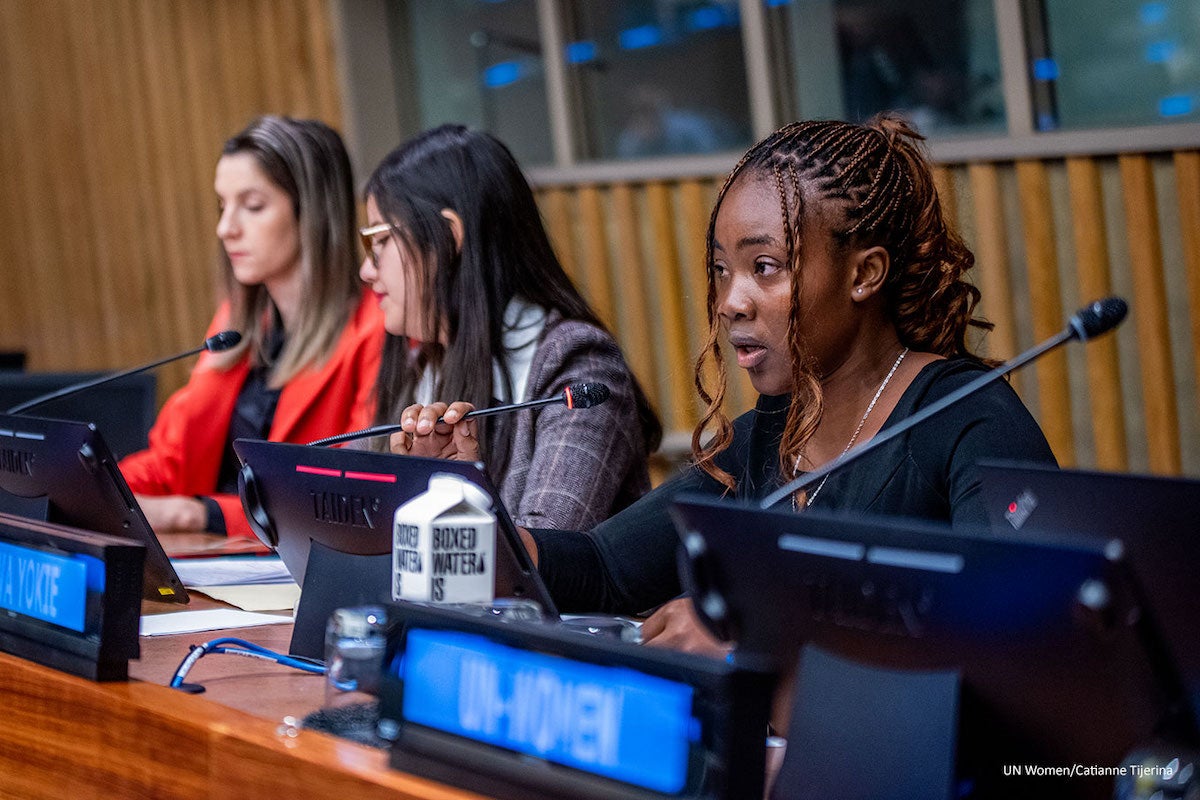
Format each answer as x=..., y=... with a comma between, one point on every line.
x=571, y=468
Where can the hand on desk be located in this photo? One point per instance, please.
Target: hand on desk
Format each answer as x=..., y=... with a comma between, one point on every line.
x=676, y=625
x=173, y=512
x=673, y=625
x=423, y=435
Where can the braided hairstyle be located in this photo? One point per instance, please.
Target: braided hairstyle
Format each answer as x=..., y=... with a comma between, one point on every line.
x=875, y=185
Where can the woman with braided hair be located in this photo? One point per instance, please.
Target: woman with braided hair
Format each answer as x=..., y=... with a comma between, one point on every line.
x=834, y=277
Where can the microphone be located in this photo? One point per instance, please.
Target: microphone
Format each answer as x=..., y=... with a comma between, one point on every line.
x=1087, y=323
x=214, y=344
x=577, y=395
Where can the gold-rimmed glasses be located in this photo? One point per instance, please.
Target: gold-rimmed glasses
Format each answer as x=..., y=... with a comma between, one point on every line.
x=368, y=235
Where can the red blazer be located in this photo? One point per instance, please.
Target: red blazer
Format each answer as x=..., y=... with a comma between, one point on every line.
x=188, y=438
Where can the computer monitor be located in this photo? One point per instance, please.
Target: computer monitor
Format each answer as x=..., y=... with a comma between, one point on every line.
x=1024, y=653
x=122, y=410
x=63, y=472
x=328, y=513
x=1154, y=516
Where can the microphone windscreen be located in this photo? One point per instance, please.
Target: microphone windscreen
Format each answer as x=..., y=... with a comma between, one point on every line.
x=1099, y=317
x=222, y=341
x=586, y=395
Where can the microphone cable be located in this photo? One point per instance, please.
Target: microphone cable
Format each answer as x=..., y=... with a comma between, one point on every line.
x=237, y=647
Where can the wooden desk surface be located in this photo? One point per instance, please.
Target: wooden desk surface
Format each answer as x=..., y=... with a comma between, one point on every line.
x=256, y=687
x=63, y=736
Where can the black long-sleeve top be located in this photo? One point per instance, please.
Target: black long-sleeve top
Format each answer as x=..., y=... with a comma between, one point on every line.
x=628, y=563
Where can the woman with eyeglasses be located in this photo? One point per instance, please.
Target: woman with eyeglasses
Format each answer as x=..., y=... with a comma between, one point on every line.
x=479, y=309
x=311, y=338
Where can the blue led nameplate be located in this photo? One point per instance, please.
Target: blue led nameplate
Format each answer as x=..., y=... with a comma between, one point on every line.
x=47, y=586
x=609, y=721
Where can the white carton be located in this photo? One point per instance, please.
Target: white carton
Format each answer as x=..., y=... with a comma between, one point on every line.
x=444, y=544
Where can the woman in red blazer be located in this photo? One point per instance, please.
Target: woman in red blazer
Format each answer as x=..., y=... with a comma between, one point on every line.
x=312, y=337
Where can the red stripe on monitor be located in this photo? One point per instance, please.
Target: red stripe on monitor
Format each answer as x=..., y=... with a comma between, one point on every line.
x=371, y=476
x=328, y=473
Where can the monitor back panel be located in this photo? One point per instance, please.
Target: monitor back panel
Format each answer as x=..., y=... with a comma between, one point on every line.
x=345, y=500
x=901, y=595
x=122, y=410
x=1155, y=518
x=63, y=472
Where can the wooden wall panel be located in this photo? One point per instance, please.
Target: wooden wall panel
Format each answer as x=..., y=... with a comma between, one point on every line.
x=42, y=244
x=943, y=179
x=1045, y=298
x=1088, y=229
x=114, y=112
x=695, y=206
x=96, y=159
x=556, y=213
x=1150, y=314
x=172, y=189
x=672, y=337
x=319, y=58
x=18, y=311
x=142, y=231
x=1187, y=185
x=13, y=266
x=596, y=269
x=636, y=334
x=992, y=263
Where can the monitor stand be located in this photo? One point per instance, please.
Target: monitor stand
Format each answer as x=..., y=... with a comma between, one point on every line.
x=334, y=580
x=35, y=508
x=867, y=733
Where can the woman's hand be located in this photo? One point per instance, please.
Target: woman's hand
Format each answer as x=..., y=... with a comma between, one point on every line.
x=173, y=513
x=423, y=435
x=676, y=625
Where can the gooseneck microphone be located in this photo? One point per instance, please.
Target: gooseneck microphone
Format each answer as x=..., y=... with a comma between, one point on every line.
x=214, y=344
x=1087, y=323
x=577, y=395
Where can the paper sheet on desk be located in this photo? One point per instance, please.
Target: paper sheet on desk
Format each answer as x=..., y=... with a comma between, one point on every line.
x=257, y=596
x=230, y=571
x=211, y=620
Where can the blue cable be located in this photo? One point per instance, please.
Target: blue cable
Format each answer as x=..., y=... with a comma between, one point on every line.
x=241, y=647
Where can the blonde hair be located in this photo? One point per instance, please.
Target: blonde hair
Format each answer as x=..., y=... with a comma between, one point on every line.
x=307, y=160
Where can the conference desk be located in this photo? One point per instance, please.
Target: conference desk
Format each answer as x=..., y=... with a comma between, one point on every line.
x=63, y=736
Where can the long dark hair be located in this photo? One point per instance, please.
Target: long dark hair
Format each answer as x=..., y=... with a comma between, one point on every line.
x=882, y=178
x=505, y=254
x=307, y=160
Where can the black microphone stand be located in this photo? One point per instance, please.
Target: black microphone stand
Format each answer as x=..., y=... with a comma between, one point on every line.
x=1089, y=322
x=216, y=343
x=577, y=395
x=67, y=391
x=382, y=430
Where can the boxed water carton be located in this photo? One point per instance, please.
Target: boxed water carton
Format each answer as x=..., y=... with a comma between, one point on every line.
x=444, y=544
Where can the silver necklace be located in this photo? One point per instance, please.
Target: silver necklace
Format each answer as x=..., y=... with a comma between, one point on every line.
x=870, y=407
